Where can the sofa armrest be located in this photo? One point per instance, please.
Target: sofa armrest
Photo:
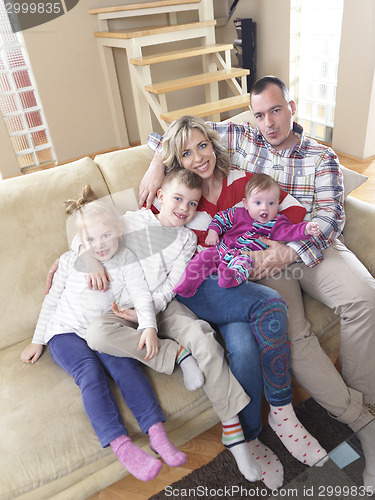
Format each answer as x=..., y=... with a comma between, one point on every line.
x=359, y=235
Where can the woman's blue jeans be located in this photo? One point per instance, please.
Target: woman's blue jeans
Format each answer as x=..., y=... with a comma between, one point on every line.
x=90, y=370
x=253, y=322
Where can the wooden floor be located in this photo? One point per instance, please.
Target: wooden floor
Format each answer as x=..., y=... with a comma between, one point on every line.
x=205, y=447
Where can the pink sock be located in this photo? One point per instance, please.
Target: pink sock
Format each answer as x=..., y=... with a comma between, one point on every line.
x=160, y=443
x=139, y=463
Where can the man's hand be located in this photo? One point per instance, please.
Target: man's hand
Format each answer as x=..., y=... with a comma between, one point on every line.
x=31, y=353
x=150, y=340
x=129, y=314
x=271, y=261
x=151, y=181
x=50, y=276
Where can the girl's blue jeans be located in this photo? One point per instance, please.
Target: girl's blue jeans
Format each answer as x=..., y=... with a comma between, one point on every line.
x=253, y=322
x=90, y=370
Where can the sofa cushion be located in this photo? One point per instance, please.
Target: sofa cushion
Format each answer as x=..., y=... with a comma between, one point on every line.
x=47, y=442
x=352, y=180
x=33, y=224
x=122, y=170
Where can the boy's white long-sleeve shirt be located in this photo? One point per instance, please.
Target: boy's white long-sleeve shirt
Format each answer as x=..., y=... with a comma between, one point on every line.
x=71, y=306
x=163, y=252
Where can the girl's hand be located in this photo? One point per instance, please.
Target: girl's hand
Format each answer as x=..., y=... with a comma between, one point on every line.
x=129, y=314
x=31, y=353
x=50, y=276
x=212, y=237
x=150, y=340
x=312, y=229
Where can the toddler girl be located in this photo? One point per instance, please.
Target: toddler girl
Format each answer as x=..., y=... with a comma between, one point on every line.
x=241, y=228
x=67, y=311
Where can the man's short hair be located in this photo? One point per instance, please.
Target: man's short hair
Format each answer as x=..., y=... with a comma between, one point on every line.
x=263, y=83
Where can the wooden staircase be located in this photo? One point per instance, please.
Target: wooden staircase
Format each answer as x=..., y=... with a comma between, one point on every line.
x=152, y=96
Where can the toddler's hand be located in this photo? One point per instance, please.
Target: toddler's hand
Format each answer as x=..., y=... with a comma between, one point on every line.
x=212, y=238
x=129, y=314
x=150, y=340
x=312, y=229
x=31, y=353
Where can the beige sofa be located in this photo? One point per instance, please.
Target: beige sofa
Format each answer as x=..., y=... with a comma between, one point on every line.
x=48, y=448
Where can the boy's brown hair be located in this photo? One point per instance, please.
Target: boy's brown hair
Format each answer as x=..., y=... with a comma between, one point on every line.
x=260, y=182
x=182, y=176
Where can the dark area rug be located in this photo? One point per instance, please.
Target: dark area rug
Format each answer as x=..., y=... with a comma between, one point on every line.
x=221, y=479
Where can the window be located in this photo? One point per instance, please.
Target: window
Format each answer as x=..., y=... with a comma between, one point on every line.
x=19, y=101
x=314, y=48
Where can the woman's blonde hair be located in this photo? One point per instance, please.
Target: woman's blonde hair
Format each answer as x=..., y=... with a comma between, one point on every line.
x=177, y=135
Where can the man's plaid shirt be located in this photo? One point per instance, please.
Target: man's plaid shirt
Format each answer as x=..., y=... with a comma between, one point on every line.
x=309, y=171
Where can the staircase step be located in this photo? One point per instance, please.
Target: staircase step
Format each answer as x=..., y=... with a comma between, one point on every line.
x=209, y=108
x=181, y=54
x=152, y=30
x=136, y=6
x=196, y=80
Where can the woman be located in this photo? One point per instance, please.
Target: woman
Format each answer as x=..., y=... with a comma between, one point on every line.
x=250, y=317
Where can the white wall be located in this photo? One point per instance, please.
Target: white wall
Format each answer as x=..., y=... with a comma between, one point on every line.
x=65, y=61
x=272, y=19
x=8, y=165
x=354, y=130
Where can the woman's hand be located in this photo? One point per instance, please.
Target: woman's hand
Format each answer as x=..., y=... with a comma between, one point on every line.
x=31, y=353
x=271, y=261
x=151, y=182
x=50, y=276
x=128, y=314
x=150, y=340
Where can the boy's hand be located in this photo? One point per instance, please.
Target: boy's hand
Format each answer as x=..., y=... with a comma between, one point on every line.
x=129, y=314
x=98, y=281
x=312, y=229
x=31, y=353
x=50, y=276
x=212, y=237
x=150, y=340
x=96, y=274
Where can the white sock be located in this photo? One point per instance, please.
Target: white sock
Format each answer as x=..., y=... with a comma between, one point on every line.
x=233, y=439
x=367, y=438
x=272, y=468
x=192, y=374
x=296, y=439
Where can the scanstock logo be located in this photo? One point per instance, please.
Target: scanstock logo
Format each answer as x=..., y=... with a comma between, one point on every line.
x=24, y=14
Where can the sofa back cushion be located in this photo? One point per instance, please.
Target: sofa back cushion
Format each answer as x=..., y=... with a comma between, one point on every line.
x=123, y=171
x=33, y=232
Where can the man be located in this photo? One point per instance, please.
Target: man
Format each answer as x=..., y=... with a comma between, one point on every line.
x=323, y=267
